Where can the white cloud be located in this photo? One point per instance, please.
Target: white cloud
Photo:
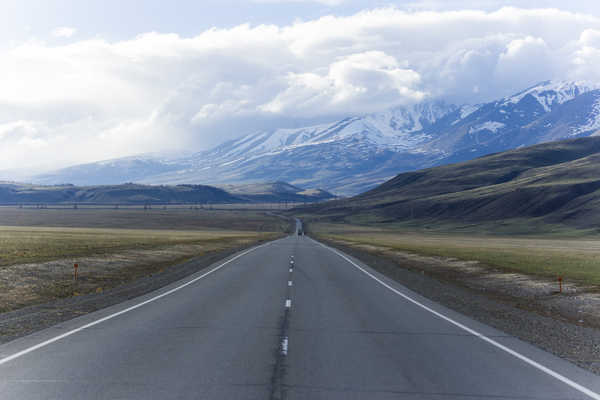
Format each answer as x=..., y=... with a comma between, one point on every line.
x=524, y=61
x=586, y=56
x=64, y=32
x=94, y=99
x=330, y=3
x=360, y=82
x=590, y=38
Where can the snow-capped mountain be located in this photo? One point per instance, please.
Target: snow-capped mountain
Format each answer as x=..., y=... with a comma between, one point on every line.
x=115, y=171
x=551, y=94
x=396, y=128
x=545, y=112
x=357, y=153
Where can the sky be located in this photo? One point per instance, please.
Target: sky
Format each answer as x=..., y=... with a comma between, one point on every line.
x=82, y=81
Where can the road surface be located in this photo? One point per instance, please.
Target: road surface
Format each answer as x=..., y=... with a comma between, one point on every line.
x=288, y=320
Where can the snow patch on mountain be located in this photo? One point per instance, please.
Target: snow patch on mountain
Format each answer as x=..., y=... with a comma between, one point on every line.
x=467, y=110
x=402, y=120
x=491, y=126
x=551, y=93
x=593, y=121
x=464, y=111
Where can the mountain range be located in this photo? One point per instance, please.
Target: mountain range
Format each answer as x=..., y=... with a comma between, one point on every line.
x=357, y=153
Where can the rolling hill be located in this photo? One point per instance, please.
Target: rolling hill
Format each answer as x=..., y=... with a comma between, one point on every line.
x=550, y=183
x=276, y=191
x=130, y=193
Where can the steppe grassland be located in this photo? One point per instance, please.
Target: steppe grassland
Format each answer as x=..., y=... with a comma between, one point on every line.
x=574, y=259
x=36, y=244
x=36, y=262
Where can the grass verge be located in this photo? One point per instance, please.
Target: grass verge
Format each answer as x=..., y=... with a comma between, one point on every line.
x=576, y=260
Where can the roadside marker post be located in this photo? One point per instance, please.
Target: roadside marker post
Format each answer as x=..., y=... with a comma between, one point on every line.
x=75, y=267
x=560, y=280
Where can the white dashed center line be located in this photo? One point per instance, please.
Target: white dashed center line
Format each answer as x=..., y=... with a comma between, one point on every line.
x=284, y=346
x=289, y=283
x=288, y=303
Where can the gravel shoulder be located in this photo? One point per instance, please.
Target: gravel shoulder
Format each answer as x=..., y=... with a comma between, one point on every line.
x=567, y=324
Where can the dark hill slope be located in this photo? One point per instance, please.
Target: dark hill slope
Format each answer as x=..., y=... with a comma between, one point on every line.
x=113, y=194
x=130, y=193
x=558, y=182
x=276, y=191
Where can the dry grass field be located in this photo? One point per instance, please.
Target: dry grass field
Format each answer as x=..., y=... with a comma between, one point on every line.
x=173, y=218
x=575, y=259
x=38, y=247
x=19, y=245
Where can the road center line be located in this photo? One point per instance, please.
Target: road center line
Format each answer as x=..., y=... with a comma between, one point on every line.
x=288, y=303
x=481, y=336
x=143, y=303
x=291, y=270
x=289, y=283
x=284, y=346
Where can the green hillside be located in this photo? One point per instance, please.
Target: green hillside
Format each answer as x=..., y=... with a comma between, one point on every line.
x=551, y=183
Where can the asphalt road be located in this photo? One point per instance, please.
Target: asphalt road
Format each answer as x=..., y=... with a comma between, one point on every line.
x=288, y=320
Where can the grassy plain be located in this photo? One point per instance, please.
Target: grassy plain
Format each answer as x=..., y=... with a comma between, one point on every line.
x=575, y=259
x=171, y=218
x=39, y=246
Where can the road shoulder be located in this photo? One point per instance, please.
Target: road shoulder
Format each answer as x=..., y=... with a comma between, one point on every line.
x=575, y=343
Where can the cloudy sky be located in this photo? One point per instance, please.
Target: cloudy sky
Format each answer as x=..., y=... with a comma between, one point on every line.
x=85, y=81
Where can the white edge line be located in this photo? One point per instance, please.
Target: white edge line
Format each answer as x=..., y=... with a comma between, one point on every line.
x=98, y=321
x=481, y=336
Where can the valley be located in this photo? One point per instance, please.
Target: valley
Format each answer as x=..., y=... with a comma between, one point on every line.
x=294, y=199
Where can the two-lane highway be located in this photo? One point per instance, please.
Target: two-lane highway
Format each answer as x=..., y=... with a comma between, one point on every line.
x=290, y=319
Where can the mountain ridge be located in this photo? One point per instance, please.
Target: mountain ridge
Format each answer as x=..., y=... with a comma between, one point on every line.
x=356, y=153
